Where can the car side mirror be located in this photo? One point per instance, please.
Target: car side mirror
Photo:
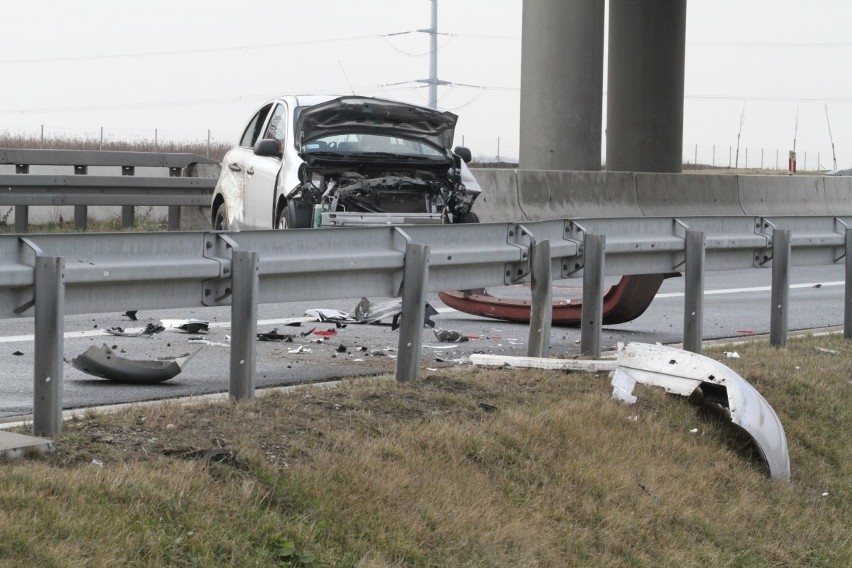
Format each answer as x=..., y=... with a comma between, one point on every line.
x=267, y=147
x=463, y=153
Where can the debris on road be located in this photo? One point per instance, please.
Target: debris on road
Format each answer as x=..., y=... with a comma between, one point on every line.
x=325, y=315
x=187, y=325
x=149, y=330
x=298, y=350
x=274, y=336
x=105, y=363
x=685, y=373
x=18, y=353
x=131, y=315
x=325, y=332
x=449, y=335
x=368, y=313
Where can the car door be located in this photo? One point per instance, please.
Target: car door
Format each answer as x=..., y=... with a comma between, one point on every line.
x=262, y=173
x=236, y=163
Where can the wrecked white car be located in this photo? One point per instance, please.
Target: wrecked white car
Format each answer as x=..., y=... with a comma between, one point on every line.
x=319, y=161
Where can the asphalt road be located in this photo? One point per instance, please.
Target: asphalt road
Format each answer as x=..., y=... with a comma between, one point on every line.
x=736, y=305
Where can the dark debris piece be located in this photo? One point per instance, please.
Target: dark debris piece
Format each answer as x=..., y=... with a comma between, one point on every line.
x=131, y=315
x=273, y=335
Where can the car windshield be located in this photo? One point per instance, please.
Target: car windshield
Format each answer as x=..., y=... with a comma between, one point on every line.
x=375, y=144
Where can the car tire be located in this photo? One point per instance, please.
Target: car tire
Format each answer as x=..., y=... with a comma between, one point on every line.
x=284, y=217
x=220, y=220
x=469, y=217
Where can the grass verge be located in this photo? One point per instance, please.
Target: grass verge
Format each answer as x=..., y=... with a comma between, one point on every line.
x=462, y=468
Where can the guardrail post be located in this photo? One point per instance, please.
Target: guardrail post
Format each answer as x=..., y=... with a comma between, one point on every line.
x=49, y=275
x=244, y=291
x=541, y=314
x=81, y=213
x=22, y=218
x=780, y=287
x=174, y=218
x=592, y=310
x=128, y=216
x=693, y=305
x=414, y=278
x=847, y=313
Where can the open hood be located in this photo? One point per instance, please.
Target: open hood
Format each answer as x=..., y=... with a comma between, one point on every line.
x=367, y=115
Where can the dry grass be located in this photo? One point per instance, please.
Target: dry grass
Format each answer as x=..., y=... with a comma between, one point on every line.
x=216, y=149
x=463, y=468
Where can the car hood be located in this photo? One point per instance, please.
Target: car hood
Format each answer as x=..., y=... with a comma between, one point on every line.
x=367, y=115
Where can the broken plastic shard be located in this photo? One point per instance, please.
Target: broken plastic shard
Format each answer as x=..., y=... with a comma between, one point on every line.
x=329, y=315
x=449, y=335
x=681, y=372
x=299, y=349
x=273, y=335
x=732, y=355
x=366, y=312
x=622, y=387
x=103, y=362
x=187, y=325
x=149, y=330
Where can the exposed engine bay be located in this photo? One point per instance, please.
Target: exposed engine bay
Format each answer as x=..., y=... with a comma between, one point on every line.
x=385, y=188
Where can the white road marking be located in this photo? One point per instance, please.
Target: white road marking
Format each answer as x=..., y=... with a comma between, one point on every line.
x=754, y=289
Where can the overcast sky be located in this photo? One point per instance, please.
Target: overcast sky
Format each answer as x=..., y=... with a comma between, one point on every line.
x=186, y=66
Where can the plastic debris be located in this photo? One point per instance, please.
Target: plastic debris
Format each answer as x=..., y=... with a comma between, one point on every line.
x=105, y=363
x=298, y=350
x=149, y=330
x=684, y=373
x=325, y=332
x=273, y=335
x=368, y=313
x=187, y=325
x=131, y=315
x=449, y=335
x=826, y=350
x=732, y=355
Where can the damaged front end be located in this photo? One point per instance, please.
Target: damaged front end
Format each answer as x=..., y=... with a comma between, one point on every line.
x=367, y=161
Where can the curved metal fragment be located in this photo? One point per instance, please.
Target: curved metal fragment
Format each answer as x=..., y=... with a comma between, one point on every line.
x=103, y=362
x=681, y=372
x=623, y=302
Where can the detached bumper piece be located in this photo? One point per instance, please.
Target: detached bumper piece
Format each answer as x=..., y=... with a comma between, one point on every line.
x=681, y=372
x=103, y=362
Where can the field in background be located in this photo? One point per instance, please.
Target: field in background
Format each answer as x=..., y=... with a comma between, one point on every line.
x=215, y=150
x=464, y=467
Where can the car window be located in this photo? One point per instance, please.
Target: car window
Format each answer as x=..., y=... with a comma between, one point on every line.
x=277, y=128
x=252, y=131
x=369, y=143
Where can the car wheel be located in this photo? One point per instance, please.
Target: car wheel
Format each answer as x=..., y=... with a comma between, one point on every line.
x=469, y=217
x=220, y=221
x=286, y=218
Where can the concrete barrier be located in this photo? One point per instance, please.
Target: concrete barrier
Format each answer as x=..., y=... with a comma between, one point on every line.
x=534, y=195
x=838, y=194
x=559, y=194
x=676, y=195
x=782, y=195
x=499, y=199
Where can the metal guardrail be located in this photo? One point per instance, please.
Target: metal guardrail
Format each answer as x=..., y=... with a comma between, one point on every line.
x=181, y=188
x=90, y=273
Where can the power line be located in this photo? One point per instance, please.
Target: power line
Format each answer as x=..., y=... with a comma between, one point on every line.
x=195, y=51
